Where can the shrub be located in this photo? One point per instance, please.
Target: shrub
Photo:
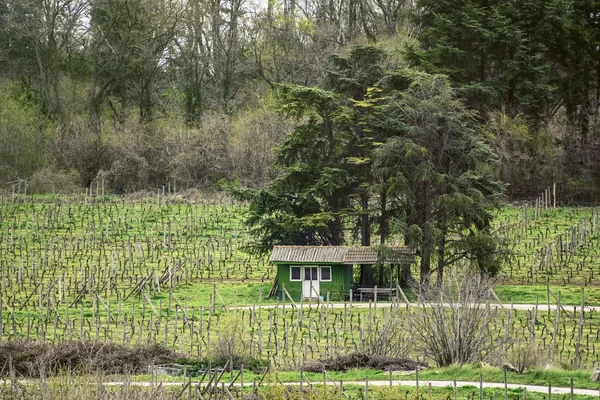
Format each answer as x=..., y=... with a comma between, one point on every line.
x=387, y=338
x=47, y=180
x=452, y=323
x=346, y=362
x=524, y=354
x=254, y=136
x=230, y=343
x=28, y=358
x=199, y=156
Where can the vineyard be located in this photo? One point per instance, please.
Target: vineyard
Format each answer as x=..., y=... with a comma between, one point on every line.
x=172, y=271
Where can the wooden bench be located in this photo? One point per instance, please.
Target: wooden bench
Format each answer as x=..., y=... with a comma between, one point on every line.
x=375, y=293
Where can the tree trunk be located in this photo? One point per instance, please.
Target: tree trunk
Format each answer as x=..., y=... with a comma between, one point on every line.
x=404, y=276
x=383, y=218
x=366, y=271
x=336, y=229
x=145, y=101
x=440, y=261
x=427, y=245
x=425, y=266
x=93, y=106
x=382, y=229
x=586, y=107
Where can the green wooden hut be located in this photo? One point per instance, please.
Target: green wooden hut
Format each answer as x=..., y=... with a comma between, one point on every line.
x=315, y=271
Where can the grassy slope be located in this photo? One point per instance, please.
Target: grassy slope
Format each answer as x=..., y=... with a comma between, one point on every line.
x=210, y=235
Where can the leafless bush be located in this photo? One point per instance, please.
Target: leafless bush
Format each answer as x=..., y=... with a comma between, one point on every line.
x=361, y=360
x=389, y=337
x=47, y=180
x=254, y=136
x=231, y=344
x=452, y=322
x=138, y=158
x=80, y=148
x=33, y=359
x=524, y=354
x=199, y=156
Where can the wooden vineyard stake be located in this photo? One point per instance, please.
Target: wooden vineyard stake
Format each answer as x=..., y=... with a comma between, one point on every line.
x=200, y=332
x=455, y=389
x=505, y=386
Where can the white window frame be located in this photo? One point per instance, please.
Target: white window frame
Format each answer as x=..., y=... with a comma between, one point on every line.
x=300, y=278
x=321, y=273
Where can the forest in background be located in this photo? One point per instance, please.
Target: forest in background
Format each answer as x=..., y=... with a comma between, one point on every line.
x=142, y=93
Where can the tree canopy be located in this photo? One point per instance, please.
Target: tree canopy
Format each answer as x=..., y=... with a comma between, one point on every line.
x=436, y=164
x=400, y=139
x=143, y=93
x=321, y=164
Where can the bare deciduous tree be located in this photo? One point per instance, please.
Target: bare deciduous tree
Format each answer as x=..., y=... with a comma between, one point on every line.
x=41, y=38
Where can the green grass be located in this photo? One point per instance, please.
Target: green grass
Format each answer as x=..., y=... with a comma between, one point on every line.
x=199, y=295
x=110, y=244
x=539, y=377
x=466, y=373
x=530, y=294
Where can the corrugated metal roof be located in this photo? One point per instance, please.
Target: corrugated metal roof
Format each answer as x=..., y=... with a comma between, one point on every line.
x=339, y=254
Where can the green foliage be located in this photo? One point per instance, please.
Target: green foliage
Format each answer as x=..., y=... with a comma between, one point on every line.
x=435, y=166
x=285, y=219
x=431, y=159
x=489, y=51
x=531, y=61
x=316, y=169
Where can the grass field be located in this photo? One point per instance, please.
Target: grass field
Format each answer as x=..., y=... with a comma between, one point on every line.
x=173, y=270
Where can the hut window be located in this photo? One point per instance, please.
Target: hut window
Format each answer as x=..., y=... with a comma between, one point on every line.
x=326, y=273
x=294, y=273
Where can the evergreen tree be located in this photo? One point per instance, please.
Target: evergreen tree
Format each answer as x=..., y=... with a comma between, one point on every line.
x=325, y=163
x=495, y=52
x=435, y=163
x=429, y=156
